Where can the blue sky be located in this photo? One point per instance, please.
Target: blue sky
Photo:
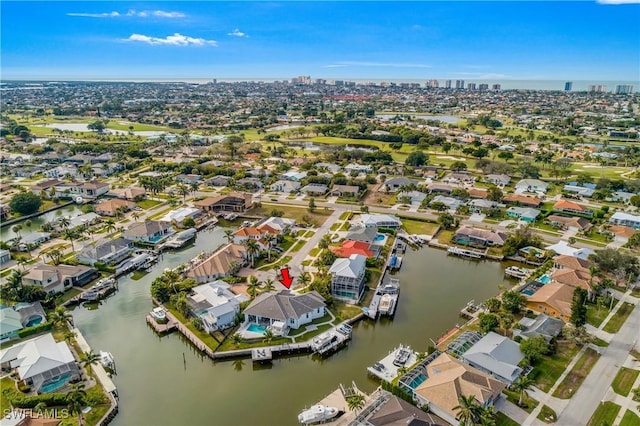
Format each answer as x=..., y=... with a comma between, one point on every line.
x=412, y=40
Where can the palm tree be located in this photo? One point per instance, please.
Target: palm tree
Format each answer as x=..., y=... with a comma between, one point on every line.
x=270, y=239
x=356, y=402
x=59, y=317
x=110, y=226
x=324, y=242
x=268, y=336
x=253, y=248
x=487, y=416
x=252, y=288
x=228, y=233
x=64, y=222
x=135, y=216
x=268, y=286
x=236, y=339
x=304, y=278
x=468, y=410
x=183, y=190
x=55, y=255
x=88, y=359
x=76, y=399
x=70, y=234
x=521, y=386
x=69, y=336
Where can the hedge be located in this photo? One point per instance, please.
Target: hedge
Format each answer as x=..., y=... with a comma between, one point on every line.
x=50, y=399
x=35, y=329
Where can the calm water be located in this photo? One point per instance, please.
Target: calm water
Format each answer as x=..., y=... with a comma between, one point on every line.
x=71, y=210
x=157, y=388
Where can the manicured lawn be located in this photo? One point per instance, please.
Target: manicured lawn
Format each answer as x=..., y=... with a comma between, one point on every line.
x=318, y=217
x=303, y=329
x=419, y=227
x=342, y=311
x=596, y=315
x=314, y=251
x=549, y=368
x=5, y=383
x=298, y=245
x=503, y=420
x=72, y=292
x=310, y=334
x=630, y=419
x=576, y=376
x=624, y=381
x=616, y=321
x=147, y=204
x=335, y=226
x=528, y=403
x=228, y=345
x=161, y=213
x=206, y=338
x=547, y=415
x=346, y=215
x=605, y=414
x=444, y=236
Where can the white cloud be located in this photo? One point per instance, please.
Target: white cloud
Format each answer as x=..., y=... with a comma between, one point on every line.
x=132, y=13
x=618, y=1
x=237, y=33
x=176, y=39
x=376, y=64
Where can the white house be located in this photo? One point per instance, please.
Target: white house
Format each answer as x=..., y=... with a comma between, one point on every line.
x=294, y=176
x=361, y=168
x=380, y=221
x=496, y=355
x=286, y=186
x=40, y=361
x=285, y=310
x=347, y=278
x=108, y=252
x=625, y=219
x=532, y=185
x=215, y=304
x=150, y=231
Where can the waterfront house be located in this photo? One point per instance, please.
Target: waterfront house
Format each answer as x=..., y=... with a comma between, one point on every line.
x=57, y=278
x=286, y=186
x=280, y=224
x=553, y=299
x=575, y=278
x=567, y=206
x=563, y=247
x=522, y=200
x=109, y=252
x=542, y=325
x=149, y=232
x=114, y=206
x=347, y=278
x=379, y=221
x=215, y=304
x=389, y=410
x=571, y=262
x=285, y=310
x=362, y=233
x=33, y=239
x=570, y=223
x=475, y=237
x=625, y=219
x=448, y=379
x=94, y=189
x=237, y=202
x=532, y=185
x=526, y=214
x=84, y=220
x=128, y=193
x=349, y=248
x=498, y=180
x=43, y=189
x=220, y=264
x=41, y=363
x=496, y=355
x=10, y=324
x=242, y=235
x=179, y=215
x=345, y=190
x=315, y=189
x=396, y=183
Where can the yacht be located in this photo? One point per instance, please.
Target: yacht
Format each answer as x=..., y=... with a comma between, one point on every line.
x=317, y=413
x=159, y=314
x=402, y=357
x=106, y=359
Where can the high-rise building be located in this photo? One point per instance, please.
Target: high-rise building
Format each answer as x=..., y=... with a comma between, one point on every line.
x=568, y=86
x=459, y=84
x=598, y=88
x=471, y=86
x=483, y=87
x=447, y=84
x=433, y=84
x=624, y=89
x=496, y=87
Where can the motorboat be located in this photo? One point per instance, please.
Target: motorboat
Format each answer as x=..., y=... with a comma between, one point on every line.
x=159, y=314
x=401, y=357
x=106, y=359
x=317, y=413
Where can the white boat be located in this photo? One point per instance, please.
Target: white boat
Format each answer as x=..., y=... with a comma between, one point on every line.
x=159, y=314
x=317, y=413
x=106, y=359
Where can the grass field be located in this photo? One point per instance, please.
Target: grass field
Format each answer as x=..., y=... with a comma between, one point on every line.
x=616, y=321
x=605, y=414
x=547, y=415
x=630, y=419
x=576, y=376
x=549, y=368
x=624, y=380
x=419, y=227
x=528, y=403
x=596, y=315
x=503, y=420
x=147, y=204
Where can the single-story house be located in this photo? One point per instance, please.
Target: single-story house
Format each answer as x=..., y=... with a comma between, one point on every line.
x=113, y=206
x=5, y=256
x=563, y=247
x=380, y=221
x=542, y=325
x=218, y=180
x=621, y=197
x=350, y=247
x=150, y=231
x=109, y=252
x=22, y=315
x=280, y=224
x=451, y=202
x=57, y=278
x=220, y=264
x=521, y=200
x=33, y=239
x=178, y=215
x=579, y=190
x=294, y=176
x=570, y=223
x=128, y=193
x=478, y=237
x=458, y=178
x=571, y=207
x=571, y=262
x=625, y=219
x=40, y=361
x=362, y=233
x=188, y=179
x=415, y=197
x=345, y=190
x=286, y=186
x=393, y=411
x=394, y=184
x=448, y=379
x=575, y=278
x=526, y=214
x=496, y=355
x=501, y=180
x=621, y=234
x=440, y=188
x=333, y=168
x=360, y=168
x=532, y=185
x=233, y=202
x=315, y=189
x=215, y=304
x=285, y=310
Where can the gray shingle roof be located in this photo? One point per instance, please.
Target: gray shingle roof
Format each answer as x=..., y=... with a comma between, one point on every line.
x=497, y=354
x=284, y=305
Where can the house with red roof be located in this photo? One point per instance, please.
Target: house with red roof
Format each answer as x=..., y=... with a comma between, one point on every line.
x=350, y=247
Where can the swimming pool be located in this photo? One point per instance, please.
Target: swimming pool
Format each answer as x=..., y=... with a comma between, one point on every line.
x=33, y=320
x=545, y=279
x=379, y=237
x=255, y=328
x=528, y=292
x=56, y=384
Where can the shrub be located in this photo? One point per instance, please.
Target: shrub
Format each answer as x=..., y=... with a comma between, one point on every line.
x=35, y=329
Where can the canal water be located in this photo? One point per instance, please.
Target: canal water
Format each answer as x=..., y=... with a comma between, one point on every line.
x=72, y=210
x=157, y=386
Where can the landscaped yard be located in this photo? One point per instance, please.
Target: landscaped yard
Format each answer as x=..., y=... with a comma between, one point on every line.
x=147, y=204
x=595, y=314
x=206, y=338
x=228, y=345
x=503, y=420
x=319, y=215
x=549, y=368
x=547, y=415
x=605, y=414
x=616, y=321
x=419, y=227
x=342, y=311
x=630, y=419
x=576, y=376
x=5, y=383
x=528, y=403
x=624, y=380
x=72, y=292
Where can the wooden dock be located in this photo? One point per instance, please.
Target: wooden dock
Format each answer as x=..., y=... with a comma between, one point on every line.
x=160, y=328
x=474, y=254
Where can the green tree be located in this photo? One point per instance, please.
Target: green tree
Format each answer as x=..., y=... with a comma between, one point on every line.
x=312, y=204
x=493, y=304
x=458, y=166
x=89, y=358
x=513, y=301
x=25, y=203
x=534, y=348
x=488, y=322
x=446, y=220
x=495, y=194
x=228, y=233
x=268, y=337
x=268, y=286
x=356, y=402
x=55, y=255
x=416, y=159
x=468, y=410
x=578, y=308
x=522, y=385
x=253, y=248
x=254, y=285
x=59, y=317
x=76, y=399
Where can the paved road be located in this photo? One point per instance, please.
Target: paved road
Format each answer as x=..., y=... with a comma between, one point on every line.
x=594, y=388
x=325, y=228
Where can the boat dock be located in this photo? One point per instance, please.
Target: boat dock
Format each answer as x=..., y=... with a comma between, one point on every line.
x=161, y=328
x=415, y=240
x=471, y=310
x=457, y=251
x=516, y=272
x=331, y=340
x=388, y=367
x=179, y=240
x=261, y=354
x=140, y=261
x=338, y=399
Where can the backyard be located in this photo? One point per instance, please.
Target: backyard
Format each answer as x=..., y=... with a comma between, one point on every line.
x=318, y=217
x=418, y=227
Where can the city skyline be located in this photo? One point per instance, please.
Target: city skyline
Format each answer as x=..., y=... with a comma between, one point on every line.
x=473, y=41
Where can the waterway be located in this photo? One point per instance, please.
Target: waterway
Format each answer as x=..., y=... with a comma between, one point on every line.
x=157, y=387
x=72, y=210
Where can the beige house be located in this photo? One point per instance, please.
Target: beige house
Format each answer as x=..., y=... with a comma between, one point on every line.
x=220, y=264
x=553, y=299
x=110, y=207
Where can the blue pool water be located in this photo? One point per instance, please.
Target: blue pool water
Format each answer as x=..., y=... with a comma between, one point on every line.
x=379, y=237
x=528, y=292
x=545, y=279
x=56, y=384
x=255, y=328
x=33, y=320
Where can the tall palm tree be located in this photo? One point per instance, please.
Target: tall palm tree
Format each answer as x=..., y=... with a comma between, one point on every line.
x=55, y=255
x=236, y=339
x=270, y=239
x=324, y=242
x=228, y=233
x=356, y=402
x=183, y=190
x=59, y=317
x=268, y=336
x=268, y=286
x=253, y=248
x=88, y=359
x=16, y=229
x=304, y=278
x=76, y=400
x=64, y=222
x=110, y=226
x=522, y=385
x=135, y=216
x=468, y=410
x=487, y=416
x=70, y=234
x=252, y=288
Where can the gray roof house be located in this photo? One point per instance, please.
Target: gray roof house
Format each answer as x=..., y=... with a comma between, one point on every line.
x=347, y=278
x=287, y=186
x=499, y=180
x=451, y=202
x=315, y=189
x=285, y=310
x=415, y=197
x=108, y=252
x=394, y=184
x=496, y=355
x=542, y=325
x=531, y=185
x=362, y=233
x=150, y=231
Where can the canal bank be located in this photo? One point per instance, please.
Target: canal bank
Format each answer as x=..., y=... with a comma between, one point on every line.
x=157, y=386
